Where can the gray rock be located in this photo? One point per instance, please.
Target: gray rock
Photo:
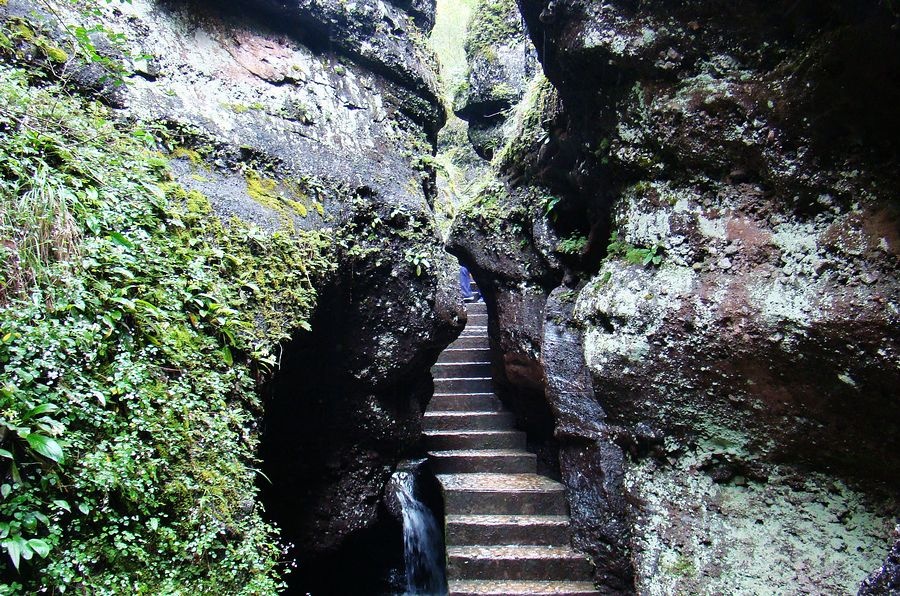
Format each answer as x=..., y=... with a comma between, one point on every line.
x=685, y=130
x=885, y=580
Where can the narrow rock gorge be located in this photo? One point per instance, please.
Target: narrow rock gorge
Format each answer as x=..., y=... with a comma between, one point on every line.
x=231, y=237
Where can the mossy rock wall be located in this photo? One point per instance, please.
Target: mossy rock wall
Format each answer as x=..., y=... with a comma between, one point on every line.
x=729, y=252
x=271, y=138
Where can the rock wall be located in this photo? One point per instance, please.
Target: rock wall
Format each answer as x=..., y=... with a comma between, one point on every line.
x=501, y=62
x=313, y=114
x=716, y=187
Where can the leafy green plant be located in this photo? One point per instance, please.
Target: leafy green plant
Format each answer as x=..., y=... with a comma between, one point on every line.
x=548, y=204
x=134, y=330
x=83, y=41
x=573, y=245
x=419, y=259
x=633, y=254
x=602, y=151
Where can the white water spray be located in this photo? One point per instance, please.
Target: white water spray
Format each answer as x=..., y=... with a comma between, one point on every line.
x=423, y=544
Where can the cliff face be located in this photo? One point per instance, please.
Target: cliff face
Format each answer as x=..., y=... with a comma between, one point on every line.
x=714, y=186
x=501, y=62
x=311, y=115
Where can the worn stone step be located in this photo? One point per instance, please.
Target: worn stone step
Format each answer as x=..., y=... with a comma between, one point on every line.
x=520, y=588
x=474, y=331
x=489, y=494
x=443, y=440
x=443, y=370
x=476, y=307
x=517, y=562
x=489, y=420
x=476, y=318
x=465, y=402
x=464, y=385
x=546, y=530
x=471, y=341
x=493, y=461
x=465, y=355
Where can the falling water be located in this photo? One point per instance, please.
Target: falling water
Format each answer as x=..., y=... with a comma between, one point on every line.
x=423, y=543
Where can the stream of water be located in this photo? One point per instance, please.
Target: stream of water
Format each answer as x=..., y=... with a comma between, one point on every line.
x=423, y=544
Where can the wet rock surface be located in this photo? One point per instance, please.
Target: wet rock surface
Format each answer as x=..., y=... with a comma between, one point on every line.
x=586, y=442
x=724, y=212
x=885, y=580
x=515, y=278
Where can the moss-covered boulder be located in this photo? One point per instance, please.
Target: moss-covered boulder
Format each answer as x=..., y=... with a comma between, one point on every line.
x=501, y=63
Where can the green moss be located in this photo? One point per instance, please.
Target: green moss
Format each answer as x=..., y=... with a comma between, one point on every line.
x=504, y=92
x=539, y=99
x=22, y=31
x=241, y=108
x=267, y=193
x=496, y=22
x=298, y=207
x=682, y=566
x=503, y=218
x=141, y=333
x=197, y=204
x=263, y=190
x=53, y=52
x=189, y=154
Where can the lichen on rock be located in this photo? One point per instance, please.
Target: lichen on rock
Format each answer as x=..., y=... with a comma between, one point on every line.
x=728, y=245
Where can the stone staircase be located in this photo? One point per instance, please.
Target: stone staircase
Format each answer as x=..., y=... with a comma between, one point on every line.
x=507, y=528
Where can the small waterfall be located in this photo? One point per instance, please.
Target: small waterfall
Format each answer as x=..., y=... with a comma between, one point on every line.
x=422, y=538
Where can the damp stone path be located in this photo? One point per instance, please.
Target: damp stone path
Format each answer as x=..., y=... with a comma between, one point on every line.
x=507, y=528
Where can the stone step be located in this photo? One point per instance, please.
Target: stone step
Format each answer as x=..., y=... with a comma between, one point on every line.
x=491, y=494
x=491, y=461
x=546, y=530
x=520, y=588
x=476, y=318
x=465, y=402
x=463, y=421
x=473, y=341
x=470, y=330
x=443, y=440
x=517, y=562
x=465, y=355
x=464, y=385
x=443, y=370
x=476, y=308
